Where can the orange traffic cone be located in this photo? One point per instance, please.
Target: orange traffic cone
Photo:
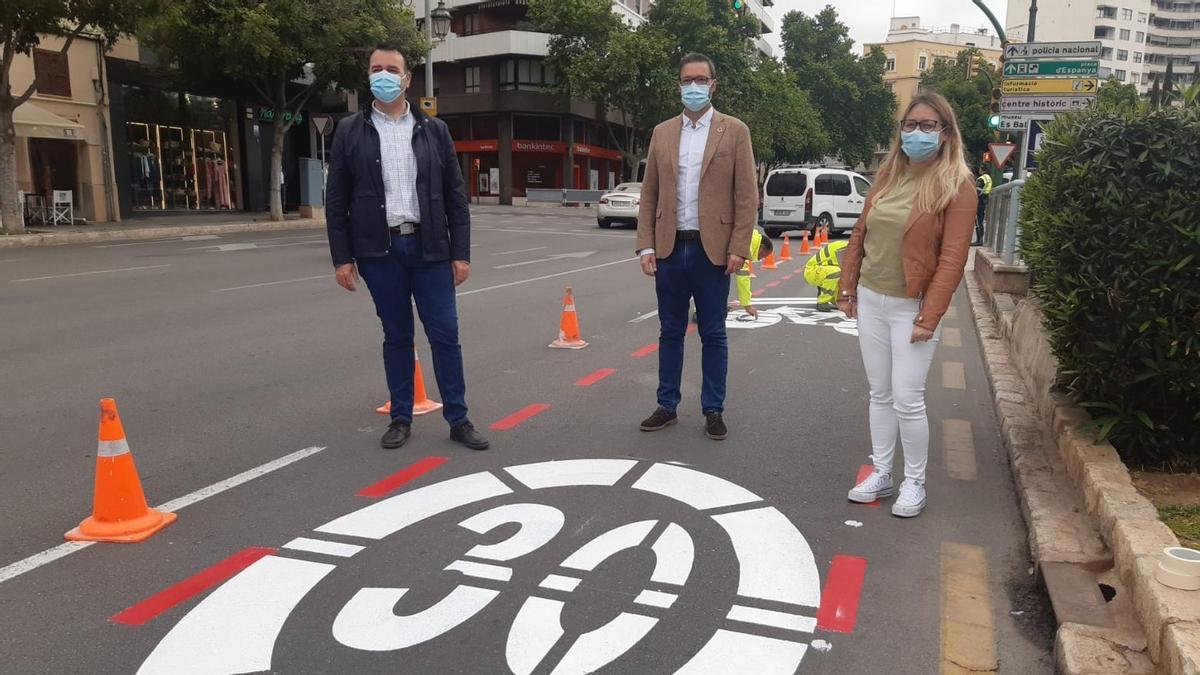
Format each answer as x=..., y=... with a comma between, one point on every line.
x=568, y=326
x=119, y=510
x=769, y=262
x=824, y=235
x=422, y=404
x=786, y=252
x=805, y=249
x=750, y=266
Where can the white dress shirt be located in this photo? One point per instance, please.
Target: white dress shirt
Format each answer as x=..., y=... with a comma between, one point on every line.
x=399, y=165
x=693, y=139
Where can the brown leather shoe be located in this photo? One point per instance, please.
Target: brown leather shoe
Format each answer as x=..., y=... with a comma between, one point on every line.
x=714, y=426
x=661, y=419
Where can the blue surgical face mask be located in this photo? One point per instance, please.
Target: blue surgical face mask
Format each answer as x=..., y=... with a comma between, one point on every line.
x=387, y=87
x=695, y=96
x=920, y=145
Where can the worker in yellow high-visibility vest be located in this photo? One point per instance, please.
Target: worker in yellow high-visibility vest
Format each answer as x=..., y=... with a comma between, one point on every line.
x=823, y=270
x=760, y=247
x=983, y=186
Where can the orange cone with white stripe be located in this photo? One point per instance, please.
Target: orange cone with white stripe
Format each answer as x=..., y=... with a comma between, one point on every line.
x=769, y=262
x=786, y=252
x=422, y=404
x=805, y=249
x=568, y=326
x=119, y=509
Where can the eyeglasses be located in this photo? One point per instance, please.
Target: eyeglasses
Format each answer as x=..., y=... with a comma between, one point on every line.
x=924, y=125
x=702, y=81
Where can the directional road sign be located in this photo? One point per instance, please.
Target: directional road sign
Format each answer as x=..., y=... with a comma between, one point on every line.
x=1044, y=104
x=1049, y=85
x=1033, y=142
x=1051, y=68
x=1015, y=122
x=1053, y=50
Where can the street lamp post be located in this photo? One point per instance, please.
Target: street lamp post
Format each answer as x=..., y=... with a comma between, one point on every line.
x=437, y=27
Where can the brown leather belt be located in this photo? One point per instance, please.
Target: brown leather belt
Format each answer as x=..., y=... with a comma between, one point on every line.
x=687, y=235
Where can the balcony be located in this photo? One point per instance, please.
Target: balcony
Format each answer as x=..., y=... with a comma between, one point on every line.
x=764, y=47
x=502, y=43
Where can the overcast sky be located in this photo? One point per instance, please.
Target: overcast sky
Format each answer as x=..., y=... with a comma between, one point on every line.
x=868, y=19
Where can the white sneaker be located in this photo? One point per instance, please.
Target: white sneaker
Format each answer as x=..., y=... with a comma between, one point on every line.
x=911, y=501
x=877, y=485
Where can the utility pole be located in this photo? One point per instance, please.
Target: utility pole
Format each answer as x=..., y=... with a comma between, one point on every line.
x=429, y=59
x=1032, y=20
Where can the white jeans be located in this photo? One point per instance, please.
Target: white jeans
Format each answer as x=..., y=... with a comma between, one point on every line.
x=896, y=372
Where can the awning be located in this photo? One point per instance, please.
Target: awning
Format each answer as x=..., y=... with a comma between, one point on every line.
x=32, y=121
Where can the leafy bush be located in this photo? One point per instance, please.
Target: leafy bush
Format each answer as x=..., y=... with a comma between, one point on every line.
x=1111, y=234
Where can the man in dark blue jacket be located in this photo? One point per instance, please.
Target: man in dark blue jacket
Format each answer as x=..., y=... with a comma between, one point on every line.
x=397, y=214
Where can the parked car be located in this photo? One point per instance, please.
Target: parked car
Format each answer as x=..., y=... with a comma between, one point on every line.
x=619, y=206
x=805, y=198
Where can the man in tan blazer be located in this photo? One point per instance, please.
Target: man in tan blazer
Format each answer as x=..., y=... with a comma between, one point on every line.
x=698, y=209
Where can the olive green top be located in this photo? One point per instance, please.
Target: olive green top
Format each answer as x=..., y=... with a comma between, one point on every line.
x=882, y=265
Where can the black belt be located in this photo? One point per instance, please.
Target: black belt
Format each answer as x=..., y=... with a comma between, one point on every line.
x=405, y=229
x=687, y=235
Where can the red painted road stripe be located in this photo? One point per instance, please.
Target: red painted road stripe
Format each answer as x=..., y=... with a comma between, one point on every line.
x=648, y=349
x=520, y=416
x=773, y=284
x=595, y=377
x=197, y=583
x=401, y=477
x=788, y=277
x=843, y=589
x=758, y=292
x=864, y=471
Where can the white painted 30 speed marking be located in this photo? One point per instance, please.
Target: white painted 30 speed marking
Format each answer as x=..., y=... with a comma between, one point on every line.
x=235, y=628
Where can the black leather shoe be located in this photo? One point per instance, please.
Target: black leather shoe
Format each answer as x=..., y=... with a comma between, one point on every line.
x=397, y=435
x=714, y=426
x=661, y=419
x=466, y=434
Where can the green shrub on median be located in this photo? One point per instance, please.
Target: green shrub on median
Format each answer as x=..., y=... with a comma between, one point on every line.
x=1111, y=234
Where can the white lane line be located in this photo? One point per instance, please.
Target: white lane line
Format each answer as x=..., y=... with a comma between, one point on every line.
x=656, y=599
x=522, y=250
x=243, y=477
x=548, y=276
x=275, y=283
x=50, y=555
x=84, y=274
x=323, y=547
x=644, y=317
x=13, y=260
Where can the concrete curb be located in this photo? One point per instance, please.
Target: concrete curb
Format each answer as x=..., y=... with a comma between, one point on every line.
x=155, y=232
x=1018, y=359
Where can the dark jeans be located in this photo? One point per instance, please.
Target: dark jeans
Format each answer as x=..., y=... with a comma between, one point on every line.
x=395, y=280
x=689, y=274
x=983, y=200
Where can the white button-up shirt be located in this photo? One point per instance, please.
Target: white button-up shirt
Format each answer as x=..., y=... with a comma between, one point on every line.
x=399, y=165
x=693, y=138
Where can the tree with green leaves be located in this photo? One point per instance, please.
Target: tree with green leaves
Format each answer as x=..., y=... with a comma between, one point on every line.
x=848, y=90
x=23, y=26
x=785, y=126
x=970, y=98
x=282, y=51
x=1116, y=95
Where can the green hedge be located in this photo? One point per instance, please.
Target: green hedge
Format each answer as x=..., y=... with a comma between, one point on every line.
x=1111, y=234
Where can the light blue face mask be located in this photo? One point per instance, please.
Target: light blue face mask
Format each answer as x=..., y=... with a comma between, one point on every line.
x=920, y=145
x=387, y=87
x=695, y=96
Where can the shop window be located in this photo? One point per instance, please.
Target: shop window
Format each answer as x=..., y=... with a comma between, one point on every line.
x=471, y=77
x=52, y=73
x=175, y=167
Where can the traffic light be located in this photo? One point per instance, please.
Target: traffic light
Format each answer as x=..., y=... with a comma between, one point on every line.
x=994, y=108
x=987, y=157
x=738, y=6
x=972, y=67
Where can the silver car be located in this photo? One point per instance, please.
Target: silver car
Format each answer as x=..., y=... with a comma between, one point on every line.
x=620, y=206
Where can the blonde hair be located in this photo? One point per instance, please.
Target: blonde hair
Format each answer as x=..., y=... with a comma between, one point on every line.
x=940, y=184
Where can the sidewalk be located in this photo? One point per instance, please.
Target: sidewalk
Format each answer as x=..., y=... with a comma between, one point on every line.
x=167, y=225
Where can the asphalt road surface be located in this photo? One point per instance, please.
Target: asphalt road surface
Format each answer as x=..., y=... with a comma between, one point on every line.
x=247, y=383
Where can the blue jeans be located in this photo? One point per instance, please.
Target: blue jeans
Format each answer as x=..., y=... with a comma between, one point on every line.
x=686, y=275
x=395, y=280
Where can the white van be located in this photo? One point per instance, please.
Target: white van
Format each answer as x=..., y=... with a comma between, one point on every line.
x=804, y=198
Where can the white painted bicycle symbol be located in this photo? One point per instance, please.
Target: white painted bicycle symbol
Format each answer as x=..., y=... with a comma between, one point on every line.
x=236, y=627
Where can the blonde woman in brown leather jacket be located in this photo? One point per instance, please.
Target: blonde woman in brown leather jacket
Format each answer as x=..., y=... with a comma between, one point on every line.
x=904, y=261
